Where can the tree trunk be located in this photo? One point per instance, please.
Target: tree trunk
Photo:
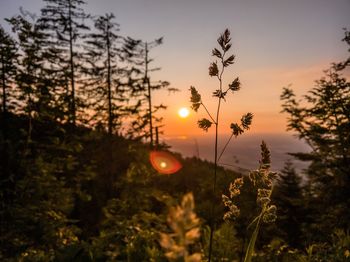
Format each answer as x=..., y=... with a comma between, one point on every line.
x=110, y=113
x=149, y=97
x=73, y=105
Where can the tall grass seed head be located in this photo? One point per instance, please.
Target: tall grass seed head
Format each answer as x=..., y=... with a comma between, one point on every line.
x=270, y=214
x=195, y=99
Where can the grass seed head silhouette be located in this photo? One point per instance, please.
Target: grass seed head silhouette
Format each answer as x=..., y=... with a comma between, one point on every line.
x=216, y=69
x=262, y=180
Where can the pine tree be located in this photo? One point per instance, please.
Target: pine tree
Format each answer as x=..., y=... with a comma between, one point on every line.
x=323, y=121
x=107, y=93
x=32, y=87
x=142, y=87
x=64, y=20
x=8, y=57
x=288, y=196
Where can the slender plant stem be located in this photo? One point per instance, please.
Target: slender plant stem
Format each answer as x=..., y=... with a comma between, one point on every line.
x=224, y=149
x=4, y=97
x=149, y=95
x=257, y=220
x=251, y=245
x=71, y=64
x=109, y=82
x=208, y=113
x=224, y=164
x=212, y=222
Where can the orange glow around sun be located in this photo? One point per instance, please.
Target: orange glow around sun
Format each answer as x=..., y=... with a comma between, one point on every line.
x=183, y=112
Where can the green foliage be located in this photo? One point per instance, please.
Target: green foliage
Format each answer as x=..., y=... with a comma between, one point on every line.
x=226, y=244
x=37, y=216
x=337, y=249
x=277, y=250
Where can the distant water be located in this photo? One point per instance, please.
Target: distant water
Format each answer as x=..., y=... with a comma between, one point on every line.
x=244, y=151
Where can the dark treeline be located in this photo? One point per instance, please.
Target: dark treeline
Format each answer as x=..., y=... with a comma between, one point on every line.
x=56, y=67
x=77, y=122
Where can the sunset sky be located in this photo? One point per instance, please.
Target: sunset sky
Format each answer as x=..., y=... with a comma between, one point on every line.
x=276, y=43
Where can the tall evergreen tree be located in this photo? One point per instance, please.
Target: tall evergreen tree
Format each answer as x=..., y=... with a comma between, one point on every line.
x=64, y=19
x=33, y=89
x=8, y=54
x=105, y=72
x=8, y=57
x=323, y=121
x=142, y=88
x=288, y=196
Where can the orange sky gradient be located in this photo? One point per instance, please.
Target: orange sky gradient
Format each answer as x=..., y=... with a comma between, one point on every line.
x=259, y=94
x=276, y=43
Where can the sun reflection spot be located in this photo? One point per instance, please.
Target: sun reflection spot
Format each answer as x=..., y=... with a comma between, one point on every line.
x=163, y=164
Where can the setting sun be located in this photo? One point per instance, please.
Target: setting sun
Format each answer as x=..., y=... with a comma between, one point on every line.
x=183, y=112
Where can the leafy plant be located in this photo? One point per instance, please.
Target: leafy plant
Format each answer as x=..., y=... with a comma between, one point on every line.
x=216, y=69
x=185, y=231
x=262, y=179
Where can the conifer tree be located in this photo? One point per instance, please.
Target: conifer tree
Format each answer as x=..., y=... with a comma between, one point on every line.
x=8, y=57
x=288, y=196
x=64, y=21
x=8, y=54
x=105, y=72
x=32, y=87
x=323, y=121
x=142, y=87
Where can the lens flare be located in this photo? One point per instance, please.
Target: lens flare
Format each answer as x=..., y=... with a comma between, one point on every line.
x=164, y=162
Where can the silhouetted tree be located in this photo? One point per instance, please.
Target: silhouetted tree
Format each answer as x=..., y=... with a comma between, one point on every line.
x=8, y=56
x=323, y=121
x=288, y=196
x=105, y=72
x=33, y=94
x=64, y=20
x=142, y=87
